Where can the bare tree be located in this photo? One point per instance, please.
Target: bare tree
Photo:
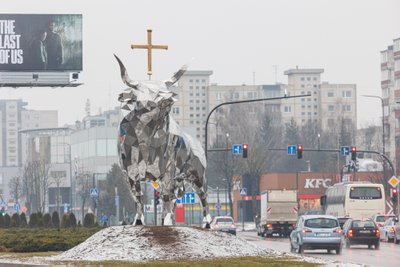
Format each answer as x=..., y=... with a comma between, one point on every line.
x=83, y=186
x=36, y=184
x=15, y=186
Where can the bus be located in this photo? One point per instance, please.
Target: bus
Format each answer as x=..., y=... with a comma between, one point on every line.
x=354, y=200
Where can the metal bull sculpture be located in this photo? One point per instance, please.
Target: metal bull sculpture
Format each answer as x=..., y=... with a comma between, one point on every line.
x=152, y=146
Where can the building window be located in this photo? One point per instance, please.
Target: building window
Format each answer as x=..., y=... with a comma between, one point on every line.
x=190, y=87
x=175, y=110
x=331, y=94
x=288, y=109
x=314, y=78
x=251, y=95
x=331, y=122
x=331, y=108
x=346, y=94
x=191, y=80
x=302, y=78
x=346, y=108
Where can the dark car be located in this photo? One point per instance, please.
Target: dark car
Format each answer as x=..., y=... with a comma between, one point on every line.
x=361, y=232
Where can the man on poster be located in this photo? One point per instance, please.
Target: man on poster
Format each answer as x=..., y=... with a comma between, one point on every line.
x=54, y=48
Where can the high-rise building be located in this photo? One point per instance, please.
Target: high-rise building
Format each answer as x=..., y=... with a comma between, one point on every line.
x=390, y=85
x=15, y=117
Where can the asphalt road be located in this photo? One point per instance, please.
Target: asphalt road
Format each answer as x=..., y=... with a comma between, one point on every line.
x=388, y=255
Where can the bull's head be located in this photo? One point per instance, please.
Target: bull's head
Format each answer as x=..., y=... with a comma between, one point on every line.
x=149, y=92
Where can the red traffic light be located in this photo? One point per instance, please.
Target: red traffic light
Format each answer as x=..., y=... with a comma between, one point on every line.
x=394, y=190
x=299, y=151
x=353, y=149
x=245, y=146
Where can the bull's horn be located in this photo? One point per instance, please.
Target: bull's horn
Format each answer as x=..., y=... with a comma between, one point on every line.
x=125, y=76
x=176, y=76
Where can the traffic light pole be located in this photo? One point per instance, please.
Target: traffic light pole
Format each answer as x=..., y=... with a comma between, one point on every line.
x=239, y=102
x=338, y=151
x=155, y=208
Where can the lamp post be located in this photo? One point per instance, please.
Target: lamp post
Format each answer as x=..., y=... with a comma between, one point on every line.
x=383, y=120
x=70, y=176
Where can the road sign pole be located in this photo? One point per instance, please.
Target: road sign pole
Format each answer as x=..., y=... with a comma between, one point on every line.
x=243, y=213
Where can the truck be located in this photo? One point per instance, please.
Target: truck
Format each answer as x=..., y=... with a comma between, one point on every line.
x=279, y=211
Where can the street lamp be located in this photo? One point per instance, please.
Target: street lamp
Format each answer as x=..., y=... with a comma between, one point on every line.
x=383, y=120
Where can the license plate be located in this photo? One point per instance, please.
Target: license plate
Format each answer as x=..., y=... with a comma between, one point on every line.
x=322, y=234
x=365, y=231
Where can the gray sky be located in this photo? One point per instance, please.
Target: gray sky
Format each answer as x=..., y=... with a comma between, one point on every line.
x=232, y=38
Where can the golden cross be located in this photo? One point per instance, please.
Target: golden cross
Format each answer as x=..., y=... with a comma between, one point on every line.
x=149, y=46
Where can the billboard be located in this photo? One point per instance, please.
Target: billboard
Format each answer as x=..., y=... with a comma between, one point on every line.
x=40, y=42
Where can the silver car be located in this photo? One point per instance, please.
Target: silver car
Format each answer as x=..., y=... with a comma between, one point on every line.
x=387, y=230
x=223, y=224
x=316, y=232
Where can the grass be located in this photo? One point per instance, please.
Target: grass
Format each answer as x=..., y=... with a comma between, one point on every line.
x=216, y=262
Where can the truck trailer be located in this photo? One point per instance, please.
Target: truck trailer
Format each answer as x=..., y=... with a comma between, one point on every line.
x=279, y=210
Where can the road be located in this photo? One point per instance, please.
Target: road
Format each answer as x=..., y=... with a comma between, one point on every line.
x=388, y=255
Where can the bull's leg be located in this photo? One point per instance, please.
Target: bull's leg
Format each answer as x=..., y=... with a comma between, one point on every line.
x=168, y=210
x=204, y=203
x=138, y=197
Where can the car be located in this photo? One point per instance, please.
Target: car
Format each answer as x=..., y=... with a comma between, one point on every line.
x=316, y=232
x=361, y=232
x=387, y=230
x=380, y=219
x=396, y=234
x=223, y=224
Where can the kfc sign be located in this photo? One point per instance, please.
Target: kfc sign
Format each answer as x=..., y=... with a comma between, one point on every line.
x=317, y=183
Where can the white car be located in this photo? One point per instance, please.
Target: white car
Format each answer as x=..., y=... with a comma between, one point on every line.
x=387, y=230
x=380, y=219
x=223, y=224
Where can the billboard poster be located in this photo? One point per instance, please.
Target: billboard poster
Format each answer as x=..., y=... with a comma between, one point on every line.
x=40, y=42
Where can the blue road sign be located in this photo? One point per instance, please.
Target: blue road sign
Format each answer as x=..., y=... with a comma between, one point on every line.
x=237, y=149
x=243, y=191
x=344, y=150
x=218, y=206
x=190, y=198
x=292, y=150
x=94, y=192
x=104, y=218
x=17, y=207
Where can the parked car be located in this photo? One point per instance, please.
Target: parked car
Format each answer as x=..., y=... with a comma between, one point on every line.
x=387, y=230
x=396, y=236
x=316, y=232
x=380, y=219
x=223, y=224
x=361, y=232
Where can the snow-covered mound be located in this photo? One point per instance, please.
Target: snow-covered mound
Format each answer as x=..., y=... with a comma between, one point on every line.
x=141, y=243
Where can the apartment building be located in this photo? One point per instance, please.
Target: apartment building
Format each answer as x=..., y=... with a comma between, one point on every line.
x=390, y=85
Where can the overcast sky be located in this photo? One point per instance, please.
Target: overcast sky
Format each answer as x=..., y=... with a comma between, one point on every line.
x=232, y=38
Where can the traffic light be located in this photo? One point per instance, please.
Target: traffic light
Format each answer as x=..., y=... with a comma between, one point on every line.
x=353, y=153
x=299, y=151
x=245, y=147
x=394, y=195
x=157, y=197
